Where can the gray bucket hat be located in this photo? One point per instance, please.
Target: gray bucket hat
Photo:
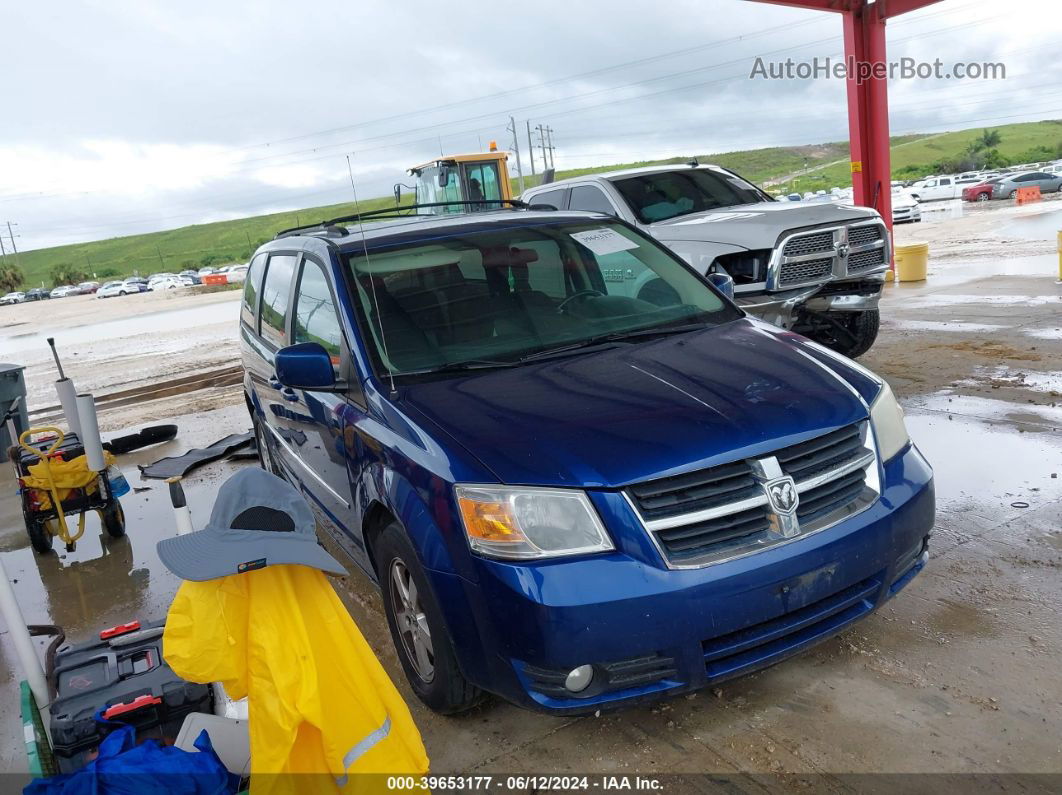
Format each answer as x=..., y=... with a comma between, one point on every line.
x=258, y=520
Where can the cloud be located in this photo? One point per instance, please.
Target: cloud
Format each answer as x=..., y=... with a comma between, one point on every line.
x=147, y=115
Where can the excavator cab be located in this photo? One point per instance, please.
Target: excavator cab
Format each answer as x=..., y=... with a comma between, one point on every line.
x=461, y=178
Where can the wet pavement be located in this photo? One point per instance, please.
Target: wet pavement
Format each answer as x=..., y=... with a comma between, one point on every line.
x=957, y=674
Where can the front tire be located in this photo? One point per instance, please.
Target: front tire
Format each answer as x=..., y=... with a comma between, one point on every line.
x=983, y=197
x=40, y=537
x=113, y=519
x=417, y=628
x=265, y=455
x=849, y=333
x=1012, y=195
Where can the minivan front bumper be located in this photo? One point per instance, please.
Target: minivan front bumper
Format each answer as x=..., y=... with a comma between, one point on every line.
x=648, y=631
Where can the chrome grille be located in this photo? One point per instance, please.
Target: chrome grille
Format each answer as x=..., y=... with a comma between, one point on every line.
x=797, y=272
x=813, y=243
x=861, y=235
x=866, y=259
x=725, y=511
x=816, y=256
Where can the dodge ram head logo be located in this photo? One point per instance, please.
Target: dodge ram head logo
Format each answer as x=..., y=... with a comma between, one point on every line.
x=783, y=495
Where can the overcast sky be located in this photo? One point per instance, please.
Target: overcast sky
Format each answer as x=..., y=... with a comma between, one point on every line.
x=127, y=116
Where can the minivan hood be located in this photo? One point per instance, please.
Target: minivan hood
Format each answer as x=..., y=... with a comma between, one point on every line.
x=619, y=416
x=754, y=226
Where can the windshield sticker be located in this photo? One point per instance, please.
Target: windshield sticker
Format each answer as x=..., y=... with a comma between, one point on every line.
x=603, y=241
x=711, y=219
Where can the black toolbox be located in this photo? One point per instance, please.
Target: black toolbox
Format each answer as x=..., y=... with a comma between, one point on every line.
x=123, y=674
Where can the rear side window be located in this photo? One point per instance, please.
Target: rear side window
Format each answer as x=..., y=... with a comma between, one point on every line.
x=591, y=199
x=251, y=287
x=554, y=198
x=275, y=297
x=316, y=319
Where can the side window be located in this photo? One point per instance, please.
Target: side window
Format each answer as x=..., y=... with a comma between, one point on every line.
x=483, y=184
x=251, y=287
x=591, y=199
x=554, y=198
x=275, y=298
x=316, y=319
x=946, y=181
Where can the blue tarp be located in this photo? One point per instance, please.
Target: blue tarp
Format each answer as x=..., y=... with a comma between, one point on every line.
x=125, y=768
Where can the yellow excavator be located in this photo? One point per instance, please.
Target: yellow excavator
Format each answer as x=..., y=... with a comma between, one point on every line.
x=482, y=177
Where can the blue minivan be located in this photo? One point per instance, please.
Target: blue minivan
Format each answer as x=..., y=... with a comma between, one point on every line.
x=580, y=475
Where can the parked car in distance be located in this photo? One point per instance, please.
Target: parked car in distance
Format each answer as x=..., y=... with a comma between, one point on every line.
x=816, y=267
x=574, y=492
x=905, y=207
x=166, y=283
x=136, y=284
x=236, y=274
x=204, y=272
x=63, y=291
x=1007, y=188
x=982, y=191
x=86, y=288
x=38, y=294
x=111, y=289
x=13, y=298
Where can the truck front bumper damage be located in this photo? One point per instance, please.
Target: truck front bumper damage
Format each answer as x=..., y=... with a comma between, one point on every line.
x=785, y=308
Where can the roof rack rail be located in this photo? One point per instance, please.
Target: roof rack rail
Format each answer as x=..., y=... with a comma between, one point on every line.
x=332, y=226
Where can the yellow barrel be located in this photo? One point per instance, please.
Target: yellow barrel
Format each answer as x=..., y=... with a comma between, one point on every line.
x=911, y=261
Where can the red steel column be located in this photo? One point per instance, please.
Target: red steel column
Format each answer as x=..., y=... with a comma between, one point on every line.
x=868, y=110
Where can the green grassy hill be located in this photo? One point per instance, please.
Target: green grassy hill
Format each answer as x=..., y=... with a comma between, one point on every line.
x=230, y=241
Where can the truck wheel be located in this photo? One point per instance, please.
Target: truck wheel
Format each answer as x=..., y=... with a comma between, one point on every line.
x=849, y=333
x=417, y=627
x=40, y=537
x=265, y=455
x=113, y=519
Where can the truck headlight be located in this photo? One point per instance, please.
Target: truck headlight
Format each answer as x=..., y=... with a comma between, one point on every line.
x=522, y=523
x=887, y=418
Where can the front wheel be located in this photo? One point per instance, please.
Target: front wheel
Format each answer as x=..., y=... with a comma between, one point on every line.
x=113, y=519
x=265, y=455
x=849, y=333
x=1013, y=194
x=40, y=535
x=417, y=628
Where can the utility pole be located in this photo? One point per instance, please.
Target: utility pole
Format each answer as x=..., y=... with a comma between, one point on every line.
x=516, y=148
x=549, y=138
x=161, y=260
x=542, y=145
x=3, y=252
x=530, y=148
x=10, y=234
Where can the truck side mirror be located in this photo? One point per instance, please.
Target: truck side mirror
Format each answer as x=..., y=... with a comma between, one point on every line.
x=398, y=193
x=444, y=177
x=723, y=283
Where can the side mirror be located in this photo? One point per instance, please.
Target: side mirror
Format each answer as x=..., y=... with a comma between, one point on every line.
x=444, y=177
x=305, y=366
x=721, y=282
x=398, y=193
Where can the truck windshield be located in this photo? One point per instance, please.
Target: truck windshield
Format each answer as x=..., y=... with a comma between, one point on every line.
x=494, y=298
x=471, y=181
x=669, y=194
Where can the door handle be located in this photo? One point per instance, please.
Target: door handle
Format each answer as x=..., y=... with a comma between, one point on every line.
x=289, y=394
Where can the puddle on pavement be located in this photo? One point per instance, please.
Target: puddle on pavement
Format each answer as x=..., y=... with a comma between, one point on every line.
x=1004, y=377
x=984, y=467
x=142, y=326
x=933, y=300
x=956, y=326
x=1034, y=226
x=1032, y=417
x=1043, y=333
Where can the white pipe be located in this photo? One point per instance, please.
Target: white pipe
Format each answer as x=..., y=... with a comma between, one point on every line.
x=182, y=515
x=64, y=387
x=20, y=637
x=90, y=438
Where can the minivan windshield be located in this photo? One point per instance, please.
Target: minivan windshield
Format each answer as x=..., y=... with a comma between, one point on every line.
x=503, y=297
x=661, y=195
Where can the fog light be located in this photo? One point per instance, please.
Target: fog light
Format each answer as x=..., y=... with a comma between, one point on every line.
x=579, y=679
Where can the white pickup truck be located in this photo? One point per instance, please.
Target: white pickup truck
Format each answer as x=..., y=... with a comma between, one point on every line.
x=815, y=268
x=938, y=188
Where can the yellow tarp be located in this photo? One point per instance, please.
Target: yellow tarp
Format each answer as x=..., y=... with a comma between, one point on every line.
x=68, y=475
x=319, y=701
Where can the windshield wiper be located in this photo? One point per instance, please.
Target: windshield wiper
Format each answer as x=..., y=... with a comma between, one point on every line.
x=455, y=367
x=612, y=339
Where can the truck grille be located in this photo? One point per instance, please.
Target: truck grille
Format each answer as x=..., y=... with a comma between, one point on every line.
x=724, y=511
x=816, y=256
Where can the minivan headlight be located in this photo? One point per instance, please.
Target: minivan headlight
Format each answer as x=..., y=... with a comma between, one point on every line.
x=889, y=428
x=523, y=523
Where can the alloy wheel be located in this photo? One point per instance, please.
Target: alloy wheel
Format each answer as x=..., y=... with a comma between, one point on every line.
x=411, y=621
